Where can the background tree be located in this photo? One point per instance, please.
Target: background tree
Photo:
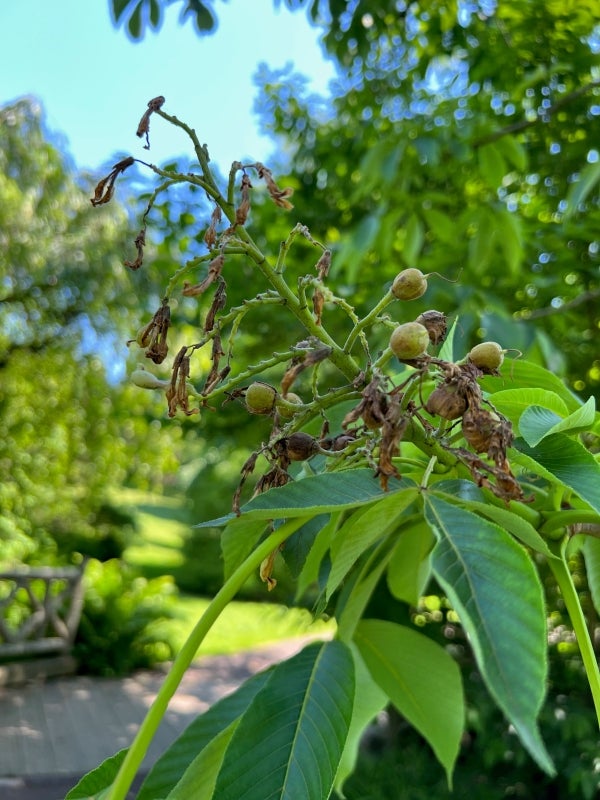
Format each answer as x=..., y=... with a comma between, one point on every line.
x=70, y=430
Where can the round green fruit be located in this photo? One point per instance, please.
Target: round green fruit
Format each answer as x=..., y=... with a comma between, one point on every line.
x=409, y=341
x=284, y=410
x=487, y=356
x=260, y=398
x=409, y=284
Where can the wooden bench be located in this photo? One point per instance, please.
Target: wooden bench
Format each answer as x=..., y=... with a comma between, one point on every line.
x=40, y=609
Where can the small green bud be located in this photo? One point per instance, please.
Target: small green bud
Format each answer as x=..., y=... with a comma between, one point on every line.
x=410, y=340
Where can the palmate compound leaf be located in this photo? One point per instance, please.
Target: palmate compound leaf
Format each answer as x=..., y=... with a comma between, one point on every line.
x=537, y=422
x=289, y=742
x=492, y=584
x=422, y=681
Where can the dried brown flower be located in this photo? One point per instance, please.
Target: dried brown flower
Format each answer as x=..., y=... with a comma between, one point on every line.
x=323, y=264
x=372, y=408
x=394, y=425
x=210, y=237
x=318, y=304
x=177, y=393
x=154, y=335
x=106, y=187
x=279, y=196
x=246, y=470
x=301, y=363
x=140, y=242
x=436, y=324
x=242, y=211
x=143, y=128
x=219, y=302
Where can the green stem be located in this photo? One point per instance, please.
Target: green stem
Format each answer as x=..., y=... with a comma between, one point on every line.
x=368, y=320
x=140, y=744
x=563, y=578
x=561, y=519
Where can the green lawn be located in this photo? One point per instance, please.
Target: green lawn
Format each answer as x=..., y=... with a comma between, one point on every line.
x=162, y=529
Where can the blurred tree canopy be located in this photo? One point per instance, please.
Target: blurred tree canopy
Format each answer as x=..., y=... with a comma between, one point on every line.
x=68, y=430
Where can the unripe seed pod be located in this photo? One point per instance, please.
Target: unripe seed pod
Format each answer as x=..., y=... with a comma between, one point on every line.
x=301, y=446
x=146, y=380
x=436, y=324
x=409, y=341
x=447, y=402
x=282, y=409
x=487, y=356
x=409, y=284
x=260, y=398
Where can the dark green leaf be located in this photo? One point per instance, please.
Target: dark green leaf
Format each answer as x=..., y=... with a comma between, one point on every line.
x=414, y=236
x=238, y=540
x=363, y=529
x=318, y=494
x=513, y=523
x=134, y=25
x=312, y=566
x=290, y=740
x=422, y=681
x=369, y=700
x=199, y=779
x=410, y=566
x=98, y=779
x=491, y=165
x=565, y=460
x=169, y=768
x=299, y=545
x=119, y=7
x=494, y=587
x=591, y=554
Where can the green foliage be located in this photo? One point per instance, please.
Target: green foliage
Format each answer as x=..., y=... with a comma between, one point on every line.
x=120, y=629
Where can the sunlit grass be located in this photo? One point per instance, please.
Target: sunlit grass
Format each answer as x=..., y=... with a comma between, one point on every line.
x=157, y=548
x=243, y=626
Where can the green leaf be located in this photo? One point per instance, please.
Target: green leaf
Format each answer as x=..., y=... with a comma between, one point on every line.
x=513, y=151
x=442, y=225
x=238, y=540
x=414, y=236
x=492, y=165
x=299, y=545
x=154, y=13
x=99, y=779
x=447, y=349
x=317, y=494
x=422, y=681
x=369, y=700
x=510, y=238
x=363, y=529
x=289, y=742
x=410, y=566
x=495, y=589
x=514, y=402
x=312, y=565
x=118, y=8
x=578, y=192
x=169, y=768
x=536, y=423
x=482, y=243
x=199, y=779
x=591, y=554
x=523, y=375
x=565, y=460
x=513, y=523
x=353, y=604
x=134, y=25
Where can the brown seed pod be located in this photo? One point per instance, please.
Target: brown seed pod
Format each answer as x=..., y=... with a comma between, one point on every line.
x=409, y=284
x=260, y=398
x=447, y=401
x=487, y=356
x=436, y=324
x=300, y=446
x=409, y=340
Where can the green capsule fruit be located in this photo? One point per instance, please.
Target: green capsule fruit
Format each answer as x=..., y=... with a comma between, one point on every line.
x=410, y=340
x=487, y=356
x=260, y=398
x=409, y=284
x=284, y=410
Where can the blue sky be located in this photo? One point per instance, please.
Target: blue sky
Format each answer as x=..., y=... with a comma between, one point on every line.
x=94, y=82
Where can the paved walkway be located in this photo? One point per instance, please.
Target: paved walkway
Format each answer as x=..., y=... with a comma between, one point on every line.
x=53, y=732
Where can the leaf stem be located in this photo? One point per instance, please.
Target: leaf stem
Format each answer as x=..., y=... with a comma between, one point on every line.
x=563, y=578
x=143, y=738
